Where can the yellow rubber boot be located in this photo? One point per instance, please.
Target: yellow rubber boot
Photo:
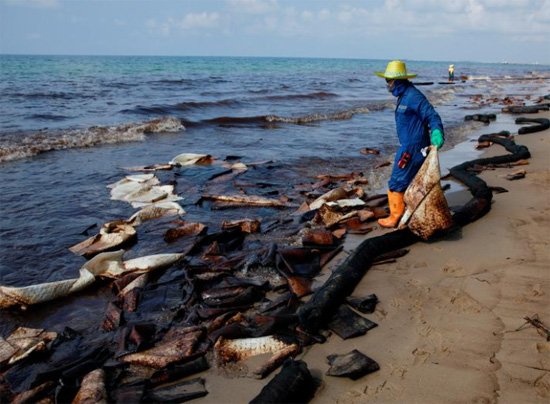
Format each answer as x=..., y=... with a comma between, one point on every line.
x=397, y=208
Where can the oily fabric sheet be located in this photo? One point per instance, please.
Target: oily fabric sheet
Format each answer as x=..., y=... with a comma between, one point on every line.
x=108, y=265
x=427, y=210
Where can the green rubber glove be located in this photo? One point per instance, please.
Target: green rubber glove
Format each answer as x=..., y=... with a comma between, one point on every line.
x=437, y=138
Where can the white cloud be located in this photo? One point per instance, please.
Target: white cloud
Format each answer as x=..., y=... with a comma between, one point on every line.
x=189, y=22
x=507, y=3
x=308, y=15
x=253, y=6
x=166, y=26
x=429, y=18
x=199, y=20
x=162, y=28
x=476, y=13
x=120, y=22
x=514, y=20
x=323, y=14
x=345, y=16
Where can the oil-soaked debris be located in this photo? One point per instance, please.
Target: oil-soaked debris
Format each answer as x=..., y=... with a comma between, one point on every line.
x=353, y=365
x=187, y=159
x=390, y=257
x=427, y=210
x=23, y=342
x=293, y=384
x=516, y=175
x=177, y=345
x=365, y=304
x=348, y=324
x=246, y=200
x=245, y=225
x=179, y=371
x=111, y=236
x=153, y=167
x=383, y=164
x=32, y=396
x=184, y=229
x=92, y=389
x=233, y=350
x=498, y=190
x=206, y=292
x=368, y=150
x=135, y=337
x=179, y=392
x=154, y=211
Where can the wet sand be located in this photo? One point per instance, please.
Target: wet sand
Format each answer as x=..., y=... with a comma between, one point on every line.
x=449, y=310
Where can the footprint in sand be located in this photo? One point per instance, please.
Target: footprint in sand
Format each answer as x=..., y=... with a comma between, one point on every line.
x=519, y=300
x=414, y=282
x=384, y=390
x=420, y=356
x=396, y=302
x=351, y=397
x=417, y=305
x=380, y=313
x=453, y=267
x=425, y=330
x=399, y=371
x=536, y=290
x=464, y=303
x=542, y=385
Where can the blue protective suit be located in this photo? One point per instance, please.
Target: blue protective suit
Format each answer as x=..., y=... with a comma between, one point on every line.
x=415, y=117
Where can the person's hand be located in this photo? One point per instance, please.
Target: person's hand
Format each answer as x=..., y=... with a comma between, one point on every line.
x=437, y=138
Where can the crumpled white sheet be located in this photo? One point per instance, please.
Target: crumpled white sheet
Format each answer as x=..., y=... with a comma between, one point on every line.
x=107, y=265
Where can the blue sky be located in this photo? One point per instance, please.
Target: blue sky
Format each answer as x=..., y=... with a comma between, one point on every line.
x=459, y=30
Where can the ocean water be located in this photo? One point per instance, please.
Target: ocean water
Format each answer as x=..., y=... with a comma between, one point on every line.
x=69, y=125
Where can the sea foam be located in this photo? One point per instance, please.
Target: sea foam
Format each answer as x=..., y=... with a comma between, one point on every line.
x=20, y=145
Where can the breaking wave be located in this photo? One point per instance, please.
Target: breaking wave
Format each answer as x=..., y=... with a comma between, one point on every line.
x=18, y=145
x=310, y=96
x=226, y=103
x=441, y=95
x=348, y=114
x=270, y=119
x=182, y=106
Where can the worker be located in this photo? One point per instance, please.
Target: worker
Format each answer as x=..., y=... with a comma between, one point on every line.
x=418, y=125
x=451, y=72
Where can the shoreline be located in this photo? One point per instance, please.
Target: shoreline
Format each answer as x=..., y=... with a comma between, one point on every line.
x=449, y=308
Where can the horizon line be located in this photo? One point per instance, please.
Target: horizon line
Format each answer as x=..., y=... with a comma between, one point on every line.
x=277, y=57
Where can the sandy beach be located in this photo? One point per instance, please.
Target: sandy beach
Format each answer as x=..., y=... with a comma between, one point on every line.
x=450, y=310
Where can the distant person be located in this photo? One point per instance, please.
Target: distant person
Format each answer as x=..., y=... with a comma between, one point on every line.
x=415, y=118
x=451, y=72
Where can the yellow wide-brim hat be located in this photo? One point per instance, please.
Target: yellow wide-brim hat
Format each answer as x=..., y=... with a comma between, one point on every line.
x=396, y=70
